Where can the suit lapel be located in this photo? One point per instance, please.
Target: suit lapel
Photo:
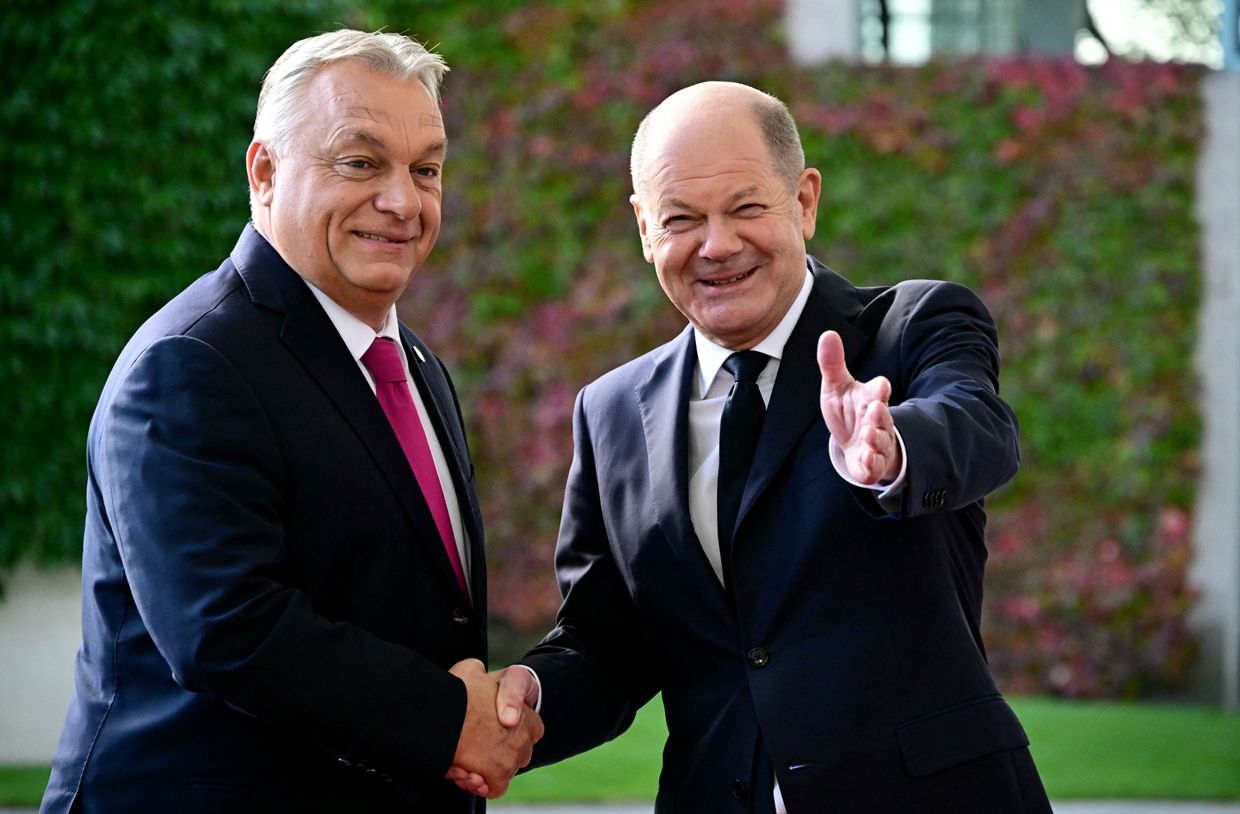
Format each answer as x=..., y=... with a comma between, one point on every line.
x=309, y=335
x=663, y=397
x=441, y=407
x=312, y=339
x=794, y=404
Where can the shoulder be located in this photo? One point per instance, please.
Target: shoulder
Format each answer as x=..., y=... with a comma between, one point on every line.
x=619, y=386
x=205, y=301
x=912, y=301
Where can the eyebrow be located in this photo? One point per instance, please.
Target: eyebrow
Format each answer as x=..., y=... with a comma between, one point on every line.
x=366, y=137
x=350, y=136
x=438, y=148
x=735, y=197
x=744, y=193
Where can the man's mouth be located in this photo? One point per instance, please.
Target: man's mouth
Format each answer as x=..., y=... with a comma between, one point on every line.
x=380, y=238
x=729, y=280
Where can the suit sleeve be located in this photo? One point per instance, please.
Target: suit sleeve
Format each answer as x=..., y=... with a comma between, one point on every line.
x=593, y=667
x=195, y=496
x=962, y=440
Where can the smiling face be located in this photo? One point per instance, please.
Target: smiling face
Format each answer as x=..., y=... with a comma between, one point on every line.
x=725, y=232
x=352, y=203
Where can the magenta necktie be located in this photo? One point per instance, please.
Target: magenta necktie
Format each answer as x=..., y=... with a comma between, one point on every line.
x=382, y=359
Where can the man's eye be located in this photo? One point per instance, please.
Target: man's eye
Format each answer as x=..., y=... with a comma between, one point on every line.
x=750, y=209
x=428, y=172
x=357, y=164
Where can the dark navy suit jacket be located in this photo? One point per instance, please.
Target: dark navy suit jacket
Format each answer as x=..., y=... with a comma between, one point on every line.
x=851, y=642
x=267, y=609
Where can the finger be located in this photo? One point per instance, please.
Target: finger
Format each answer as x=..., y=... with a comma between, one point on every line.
x=498, y=789
x=877, y=417
x=878, y=389
x=467, y=780
x=878, y=435
x=835, y=375
x=537, y=729
x=881, y=439
x=474, y=784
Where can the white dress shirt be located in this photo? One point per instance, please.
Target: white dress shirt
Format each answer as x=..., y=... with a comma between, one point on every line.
x=706, y=413
x=358, y=337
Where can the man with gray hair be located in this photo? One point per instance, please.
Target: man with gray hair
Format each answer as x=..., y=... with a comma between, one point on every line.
x=284, y=591
x=792, y=556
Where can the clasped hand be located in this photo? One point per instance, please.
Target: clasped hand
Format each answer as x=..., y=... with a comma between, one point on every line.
x=500, y=728
x=858, y=417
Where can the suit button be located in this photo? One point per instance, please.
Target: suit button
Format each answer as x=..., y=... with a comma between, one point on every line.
x=758, y=657
x=460, y=616
x=739, y=790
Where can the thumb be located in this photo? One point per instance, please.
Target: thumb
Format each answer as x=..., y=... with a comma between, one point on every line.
x=831, y=363
x=516, y=685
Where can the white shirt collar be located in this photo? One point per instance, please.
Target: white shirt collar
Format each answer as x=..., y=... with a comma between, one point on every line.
x=711, y=356
x=357, y=335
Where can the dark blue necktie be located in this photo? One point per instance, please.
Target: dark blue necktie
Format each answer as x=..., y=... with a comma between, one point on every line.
x=738, y=438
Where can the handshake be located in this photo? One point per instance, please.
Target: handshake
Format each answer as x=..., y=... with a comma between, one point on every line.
x=500, y=729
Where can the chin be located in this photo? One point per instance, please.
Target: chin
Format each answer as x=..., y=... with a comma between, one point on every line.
x=384, y=277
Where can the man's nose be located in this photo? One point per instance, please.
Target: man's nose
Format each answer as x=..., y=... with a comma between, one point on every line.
x=399, y=196
x=720, y=242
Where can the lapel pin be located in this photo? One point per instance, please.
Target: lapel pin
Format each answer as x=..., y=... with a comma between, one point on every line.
x=418, y=351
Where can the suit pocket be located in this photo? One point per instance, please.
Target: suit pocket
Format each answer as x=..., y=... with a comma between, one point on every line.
x=959, y=734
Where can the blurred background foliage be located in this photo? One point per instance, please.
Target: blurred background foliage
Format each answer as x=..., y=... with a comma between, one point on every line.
x=1062, y=194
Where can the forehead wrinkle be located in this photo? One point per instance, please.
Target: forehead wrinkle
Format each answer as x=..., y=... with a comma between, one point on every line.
x=672, y=198
x=685, y=171
x=350, y=134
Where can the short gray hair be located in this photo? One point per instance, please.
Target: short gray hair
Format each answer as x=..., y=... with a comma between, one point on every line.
x=280, y=102
x=779, y=131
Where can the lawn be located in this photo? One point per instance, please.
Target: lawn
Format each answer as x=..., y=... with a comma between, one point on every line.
x=1085, y=750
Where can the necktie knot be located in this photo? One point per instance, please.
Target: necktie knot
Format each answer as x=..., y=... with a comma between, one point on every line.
x=746, y=365
x=382, y=359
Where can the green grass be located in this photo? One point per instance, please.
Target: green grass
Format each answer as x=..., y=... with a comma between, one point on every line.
x=1133, y=750
x=624, y=769
x=22, y=785
x=1084, y=750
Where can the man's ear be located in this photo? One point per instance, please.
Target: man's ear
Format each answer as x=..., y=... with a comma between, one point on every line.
x=641, y=227
x=808, y=190
x=260, y=166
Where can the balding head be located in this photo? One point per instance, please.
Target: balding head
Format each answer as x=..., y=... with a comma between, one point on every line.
x=719, y=105
x=724, y=207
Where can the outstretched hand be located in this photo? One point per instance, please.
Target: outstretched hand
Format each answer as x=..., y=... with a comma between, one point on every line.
x=498, y=735
x=857, y=416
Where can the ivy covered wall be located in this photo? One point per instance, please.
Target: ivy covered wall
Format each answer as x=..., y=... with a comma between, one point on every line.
x=1063, y=195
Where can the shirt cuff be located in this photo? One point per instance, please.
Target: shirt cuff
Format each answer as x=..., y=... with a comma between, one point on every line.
x=886, y=491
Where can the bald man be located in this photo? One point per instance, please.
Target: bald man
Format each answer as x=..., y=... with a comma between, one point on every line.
x=775, y=519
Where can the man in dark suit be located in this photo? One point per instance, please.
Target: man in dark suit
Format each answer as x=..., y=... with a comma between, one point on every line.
x=793, y=560
x=284, y=595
